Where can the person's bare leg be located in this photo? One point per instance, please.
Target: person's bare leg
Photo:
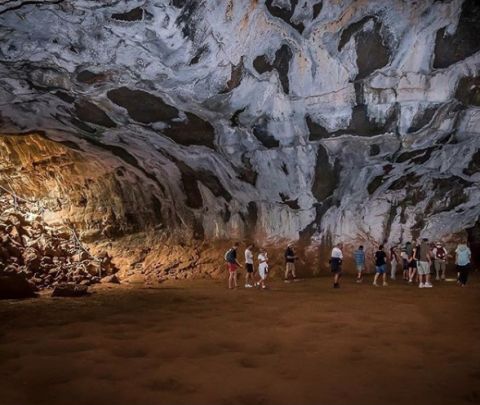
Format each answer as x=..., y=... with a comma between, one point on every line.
x=230, y=280
x=375, y=278
x=384, y=279
x=235, y=279
x=286, y=273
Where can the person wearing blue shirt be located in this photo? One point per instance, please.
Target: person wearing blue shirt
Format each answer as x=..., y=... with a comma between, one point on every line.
x=359, y=256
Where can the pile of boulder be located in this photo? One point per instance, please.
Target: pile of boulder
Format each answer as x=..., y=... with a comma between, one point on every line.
x=47, y=257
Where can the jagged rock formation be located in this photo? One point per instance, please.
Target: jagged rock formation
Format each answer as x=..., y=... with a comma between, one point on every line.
x=303, y=119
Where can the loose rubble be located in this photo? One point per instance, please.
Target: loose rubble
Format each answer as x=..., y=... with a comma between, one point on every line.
x=45, y=256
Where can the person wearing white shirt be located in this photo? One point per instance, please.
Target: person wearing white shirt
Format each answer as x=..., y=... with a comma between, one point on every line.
x=262, y=267
x=249, y=266
x=336, y=264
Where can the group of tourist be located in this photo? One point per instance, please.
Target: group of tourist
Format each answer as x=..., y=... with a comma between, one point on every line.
x=233, y=264
x=417, y=261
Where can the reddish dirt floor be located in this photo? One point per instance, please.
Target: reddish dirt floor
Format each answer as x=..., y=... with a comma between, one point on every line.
x=199, y=343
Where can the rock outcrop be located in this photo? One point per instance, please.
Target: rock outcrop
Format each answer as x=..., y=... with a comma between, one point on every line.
x=313, y=120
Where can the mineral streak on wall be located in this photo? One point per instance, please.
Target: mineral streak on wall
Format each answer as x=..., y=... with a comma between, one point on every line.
x=353, y=120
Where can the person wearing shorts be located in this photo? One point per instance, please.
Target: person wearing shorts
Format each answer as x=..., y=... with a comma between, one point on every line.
x=262, y=268
x=380, y=266
x=232, y=265
x=359, y=256
x=336, y=258
x=422, y=252
x=249, y=266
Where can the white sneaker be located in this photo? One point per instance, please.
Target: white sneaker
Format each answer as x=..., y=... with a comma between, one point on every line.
x=428, y=285
x=375, y=284
x=421, y=285
x=385, y=284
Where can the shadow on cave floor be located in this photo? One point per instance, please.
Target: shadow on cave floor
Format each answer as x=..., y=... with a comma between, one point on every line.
x=198, y=343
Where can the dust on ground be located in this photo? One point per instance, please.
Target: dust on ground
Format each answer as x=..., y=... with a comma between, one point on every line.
x=198, y=343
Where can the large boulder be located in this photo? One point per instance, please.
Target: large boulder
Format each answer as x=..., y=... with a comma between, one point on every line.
x=70, y=290
x=15, y=285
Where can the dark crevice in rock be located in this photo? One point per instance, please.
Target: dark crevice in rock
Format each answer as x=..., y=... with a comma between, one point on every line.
x=317, y=8
x=251, y=219
x=247, y=173
x=351, y=30
x=64, y=96
x=193, y=131
x=375, y=184
x=87, y=111
x=407, y=180
x=416, y=156
x=281, y=63
x=71, y=145
x=211, y=181
x=135, y=14
x=468, y=90
x=422, y=119
x=235, y=77
x=373, y=52
x=157, y=209
x=285, y=169
x=262, y=65
x=374, y=150
x=447, y=194
x=285, y=14
x=198, y=55
x=142, y=106
x=450, y=49
x=88, y=77
x=190, y=186
x=82, y=126
x=360, y=124
x=186, y=18
x=293, y=204
x=474, y=165
x=236, y=117
x=326, y=177
x=260, y=131
x=316, y=131
x=31, y=2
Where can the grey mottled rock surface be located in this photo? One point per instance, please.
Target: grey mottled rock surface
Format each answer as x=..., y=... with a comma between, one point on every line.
x=306, y=119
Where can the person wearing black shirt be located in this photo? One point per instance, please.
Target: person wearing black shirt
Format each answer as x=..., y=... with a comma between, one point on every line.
x=290, y=258
x=380, y=266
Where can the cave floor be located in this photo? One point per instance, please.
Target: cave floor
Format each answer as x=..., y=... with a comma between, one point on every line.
x=199, y=343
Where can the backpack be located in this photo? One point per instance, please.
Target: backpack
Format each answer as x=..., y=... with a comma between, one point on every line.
x=440, y=254
x=228, y=255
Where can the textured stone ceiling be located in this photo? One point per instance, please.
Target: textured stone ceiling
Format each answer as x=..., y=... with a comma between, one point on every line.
x=306, y=119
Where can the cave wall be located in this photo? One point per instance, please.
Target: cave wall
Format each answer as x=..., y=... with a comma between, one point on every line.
x=313, y=120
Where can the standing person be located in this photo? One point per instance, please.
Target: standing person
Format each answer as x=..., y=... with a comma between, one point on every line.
x=463, y=256
x=380, y=265
x=262, y=267
x=290, y=258
x=404, y=257
x=249, y=266
x=336, y=264
x=440, y=261
x=422, y=253
x=412, y=263
x=359, y=256
x=393, y=262
x=233, y=265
